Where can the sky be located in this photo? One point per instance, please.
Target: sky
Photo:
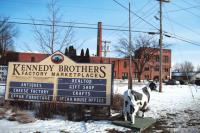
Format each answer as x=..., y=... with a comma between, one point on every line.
x=180, y=18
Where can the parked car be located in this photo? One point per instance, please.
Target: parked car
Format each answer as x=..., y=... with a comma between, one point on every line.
x=172, y=82
x=197, y=82
x=183, y=82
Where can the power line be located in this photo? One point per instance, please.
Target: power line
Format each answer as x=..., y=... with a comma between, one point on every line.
x=137, y=20
x=187, y=2
x=170, y=23
x=167, y=34
x=134, y=14
x=179, y=24
x=196, y=44
x=148, y=13
x=149, y=1
x=64, y=22
x=175, y=36
x=186, y=8
x=80, y=27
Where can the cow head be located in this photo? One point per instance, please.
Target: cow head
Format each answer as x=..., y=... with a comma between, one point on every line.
x=152, y=86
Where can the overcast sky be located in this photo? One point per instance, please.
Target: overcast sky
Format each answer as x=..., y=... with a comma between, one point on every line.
x=180, y=18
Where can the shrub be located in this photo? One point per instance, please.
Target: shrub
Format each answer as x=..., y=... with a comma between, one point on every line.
x=117, y=103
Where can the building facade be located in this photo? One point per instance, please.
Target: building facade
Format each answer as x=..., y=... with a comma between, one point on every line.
x=150, y=70
x=120, y=65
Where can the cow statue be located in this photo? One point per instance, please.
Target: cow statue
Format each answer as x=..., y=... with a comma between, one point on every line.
x=137, y=101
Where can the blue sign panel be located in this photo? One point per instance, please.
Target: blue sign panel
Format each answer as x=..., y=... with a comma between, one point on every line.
x=82, y=81
x=81, y=91
x=31, y=91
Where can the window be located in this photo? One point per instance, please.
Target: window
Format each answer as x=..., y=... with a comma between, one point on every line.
x=166, y=70
x=157, y=58
x=125, y=64
x=166, y=59
x=32, y=59
x=136, y=75
x=114, y=74
x=146, y=56
x=146, y=76
x=113, y=62
x=156, y=78
x=124, y=75
x=156, y=68
x=146, y=68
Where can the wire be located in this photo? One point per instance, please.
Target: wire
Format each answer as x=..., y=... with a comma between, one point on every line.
x=80, y=27
x=148, y=13
x=184, y=26
x=170, y=23
x=181, y=38
x=165, y=33
x=135, y=14
x=187, y=8
x=149, y=1
x=188, y=3
x=63, y=22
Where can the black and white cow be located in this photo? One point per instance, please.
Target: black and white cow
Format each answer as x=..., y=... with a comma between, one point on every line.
x=137, y=101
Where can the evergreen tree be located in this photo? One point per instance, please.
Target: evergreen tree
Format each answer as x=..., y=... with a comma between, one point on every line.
x=66, y=52
x=87, y=54
x=82, y=53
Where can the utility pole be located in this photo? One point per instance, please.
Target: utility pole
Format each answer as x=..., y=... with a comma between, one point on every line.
x=130, y=56
x=161, y=43
x=106, y=47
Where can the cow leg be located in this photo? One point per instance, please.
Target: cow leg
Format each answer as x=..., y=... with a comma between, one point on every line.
x=132, y=118
x=142, y=114
x=132, y=114
x=125, y=116
x=125, y=110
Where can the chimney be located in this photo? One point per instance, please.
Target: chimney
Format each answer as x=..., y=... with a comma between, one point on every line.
x=99, y=40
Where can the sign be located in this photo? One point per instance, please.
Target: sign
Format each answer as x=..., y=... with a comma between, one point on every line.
x=58, y=78
x=3, y=74
x=31, y=91
x=82, y=90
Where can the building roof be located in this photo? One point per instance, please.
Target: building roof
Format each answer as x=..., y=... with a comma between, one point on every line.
x=180, y=74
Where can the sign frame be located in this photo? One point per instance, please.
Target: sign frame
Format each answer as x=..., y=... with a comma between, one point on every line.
x=17, y=73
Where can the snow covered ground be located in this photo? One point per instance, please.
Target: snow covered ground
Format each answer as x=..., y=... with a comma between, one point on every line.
x=57, y=126
x=172, y=99
x=2, y=89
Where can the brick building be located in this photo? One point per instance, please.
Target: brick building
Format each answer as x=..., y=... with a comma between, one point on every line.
x=22, y=57
x=121, y=65
x=150, y=70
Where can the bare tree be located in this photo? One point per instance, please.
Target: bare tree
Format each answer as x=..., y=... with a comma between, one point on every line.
x=142, y=51
x=198, y=68
x=176, y=67
x=7, y=33
x=184, y=67
x=52, y=37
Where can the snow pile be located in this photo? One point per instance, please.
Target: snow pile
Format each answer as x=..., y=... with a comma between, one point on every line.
x=56, y=126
